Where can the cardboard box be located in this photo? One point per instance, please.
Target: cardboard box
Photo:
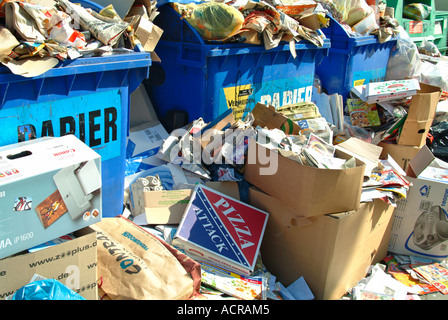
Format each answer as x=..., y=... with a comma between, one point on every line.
x=49, y=187
x=310, y=190
x=161, y=207
x=74, y=263
x=332, y=252
x=400, y=153
x=390, y=90
x=221, y=230
x=421, y=113
x=168, y=206
x=420, y=221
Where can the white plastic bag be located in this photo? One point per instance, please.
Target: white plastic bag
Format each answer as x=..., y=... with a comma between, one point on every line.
x=435, y=74
x=404, y=60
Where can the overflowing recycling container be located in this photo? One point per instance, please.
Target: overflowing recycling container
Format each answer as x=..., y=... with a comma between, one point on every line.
x=204, y=79
x=417, y=24
x=87, y=97
x=352, y=60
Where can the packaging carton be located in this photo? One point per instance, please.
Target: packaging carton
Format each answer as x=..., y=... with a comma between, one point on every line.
x=168, y=206
x=332, y=252
x=73, y=263
x=421, y=113
x=390, y=90
x=311, y=191
x=221, y=230
x=49, y=187
x=400, y=153
x=160, y=207
x=421, y=222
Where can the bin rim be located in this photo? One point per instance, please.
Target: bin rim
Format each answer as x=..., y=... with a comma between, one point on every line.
x=216, y=49
x=337, y=34
x=136, y=59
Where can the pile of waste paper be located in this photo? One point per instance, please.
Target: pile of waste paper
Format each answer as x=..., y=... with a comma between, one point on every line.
x=37, y=35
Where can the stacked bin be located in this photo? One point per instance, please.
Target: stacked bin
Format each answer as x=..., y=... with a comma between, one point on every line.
x=417, y=30
x=87, y=97
x=205, y=79
x=352, y=60
x=441, y=31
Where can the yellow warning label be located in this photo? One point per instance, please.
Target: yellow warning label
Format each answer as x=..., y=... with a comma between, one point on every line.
x=359, y=82
x=237, y=98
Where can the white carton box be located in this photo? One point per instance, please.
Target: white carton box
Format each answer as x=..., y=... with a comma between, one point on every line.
x=420, y=225
x=49, y=187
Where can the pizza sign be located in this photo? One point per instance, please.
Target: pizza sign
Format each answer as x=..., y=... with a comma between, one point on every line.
x=224, y=229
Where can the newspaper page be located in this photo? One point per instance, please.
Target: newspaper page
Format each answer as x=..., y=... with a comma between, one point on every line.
x=246, y=288
x=106, y=32
x=434, y=274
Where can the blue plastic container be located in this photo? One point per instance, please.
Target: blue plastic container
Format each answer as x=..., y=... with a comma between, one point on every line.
x=204, y=79
x=352, y=61
x=88, y=97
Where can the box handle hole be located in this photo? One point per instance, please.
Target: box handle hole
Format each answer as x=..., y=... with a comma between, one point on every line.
x=19, y=155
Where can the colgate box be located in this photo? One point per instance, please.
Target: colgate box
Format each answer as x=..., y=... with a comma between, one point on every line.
x=49, y=187
x=221, y=230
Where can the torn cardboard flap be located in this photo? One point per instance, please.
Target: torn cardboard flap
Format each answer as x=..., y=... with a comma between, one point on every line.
x=421, y=113
x=367, y=152
x=420, y=162
x=401, y=153
x=148, y=33
x=268, y=117
x=165, y=207
x=314, y=21
x=7, y=42
x=424, y=104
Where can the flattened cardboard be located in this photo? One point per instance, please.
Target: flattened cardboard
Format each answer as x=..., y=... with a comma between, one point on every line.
x=221, y=230
x=332, y=252
x=421, y=113
x=74, y=263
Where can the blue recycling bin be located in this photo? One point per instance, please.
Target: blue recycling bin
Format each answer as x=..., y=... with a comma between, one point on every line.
x=87, y=97
x=351, y=60
x=206, y=78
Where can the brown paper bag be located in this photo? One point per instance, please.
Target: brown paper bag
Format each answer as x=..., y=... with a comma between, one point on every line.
x=134, y=264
